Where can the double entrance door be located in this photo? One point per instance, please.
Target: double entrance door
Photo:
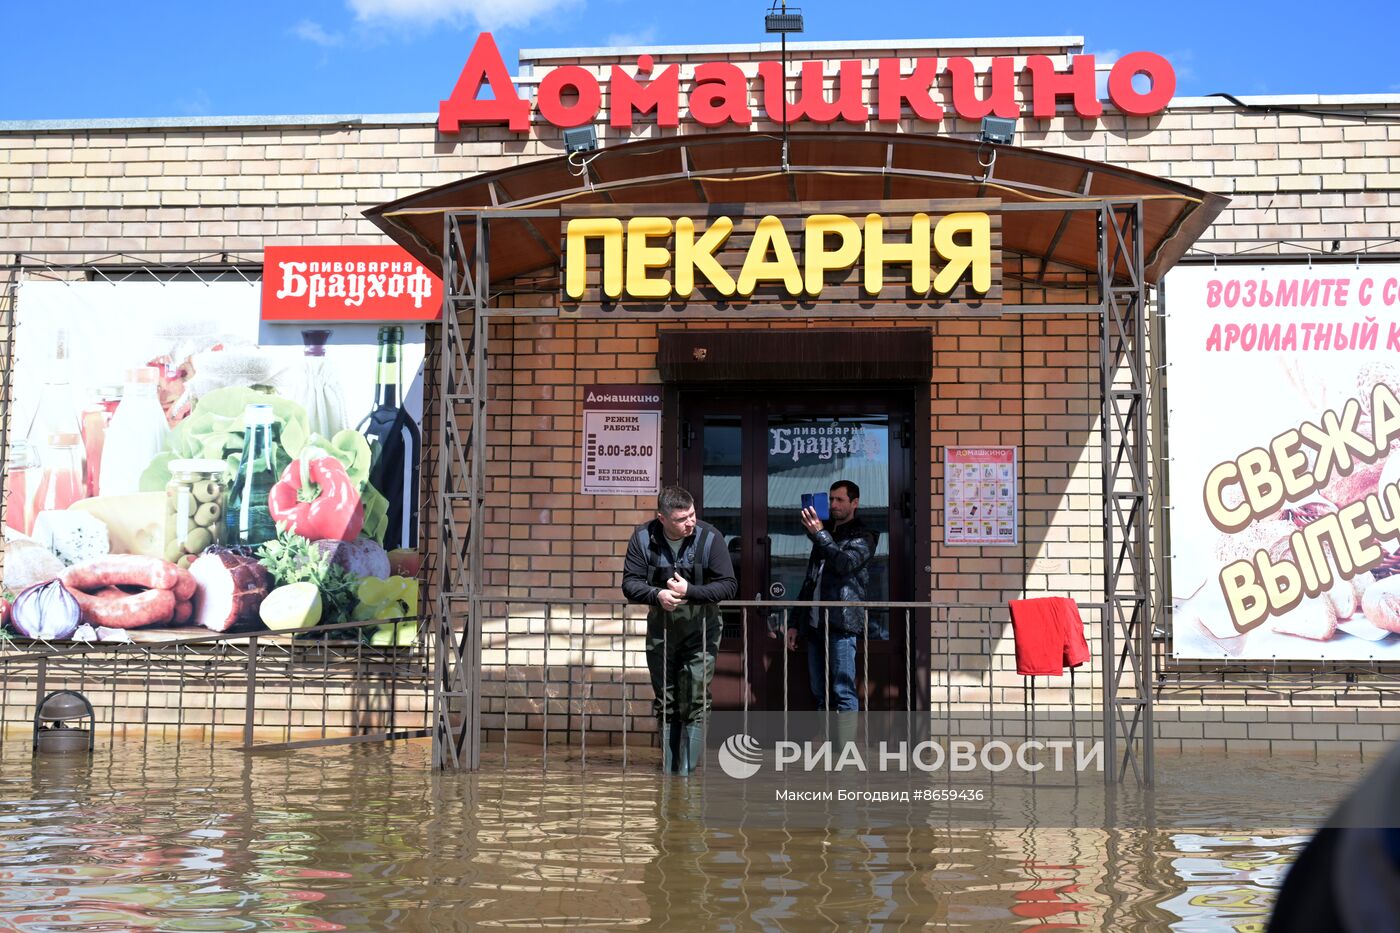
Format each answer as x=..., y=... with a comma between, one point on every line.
x=749, y=458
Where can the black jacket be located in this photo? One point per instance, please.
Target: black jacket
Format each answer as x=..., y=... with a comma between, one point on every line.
x=840, y=564
x=703, y=561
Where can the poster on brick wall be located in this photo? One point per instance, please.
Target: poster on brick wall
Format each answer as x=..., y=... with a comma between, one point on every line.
x=1283, y=397
x=979, y=496
x=178, y=466
x=621, y=440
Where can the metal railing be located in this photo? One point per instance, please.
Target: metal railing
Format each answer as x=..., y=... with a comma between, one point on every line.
x=572, y=672
x=556, y=672
x=322, y=687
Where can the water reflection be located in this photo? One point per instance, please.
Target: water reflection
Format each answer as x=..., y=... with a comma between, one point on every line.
x=176, y=838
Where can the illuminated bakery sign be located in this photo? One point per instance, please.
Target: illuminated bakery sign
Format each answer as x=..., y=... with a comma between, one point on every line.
x=718, y=93
x=926, y=255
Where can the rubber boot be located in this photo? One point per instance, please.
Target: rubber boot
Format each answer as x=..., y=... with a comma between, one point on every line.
x=673, y=748
x=844, y=728
x=692, y=748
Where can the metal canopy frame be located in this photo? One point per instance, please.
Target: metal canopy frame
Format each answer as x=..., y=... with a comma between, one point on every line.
x=456, y=605
x=738, y=168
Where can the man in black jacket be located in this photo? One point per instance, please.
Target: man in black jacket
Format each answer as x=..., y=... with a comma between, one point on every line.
x=837, y=571
x=680, y=567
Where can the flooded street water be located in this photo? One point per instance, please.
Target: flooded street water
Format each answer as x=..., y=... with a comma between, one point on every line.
x=185, y=838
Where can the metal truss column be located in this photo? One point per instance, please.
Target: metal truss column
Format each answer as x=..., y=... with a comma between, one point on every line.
x=456, y=625
x=9, y=296
x=1127, y=582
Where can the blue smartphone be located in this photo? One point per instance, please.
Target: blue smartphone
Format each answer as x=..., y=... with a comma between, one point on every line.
x=819, y=501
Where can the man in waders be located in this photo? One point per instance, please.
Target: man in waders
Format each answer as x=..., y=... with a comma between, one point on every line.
x=680, y=567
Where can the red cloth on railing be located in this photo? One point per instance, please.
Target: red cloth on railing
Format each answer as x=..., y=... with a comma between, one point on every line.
x=1049, y=635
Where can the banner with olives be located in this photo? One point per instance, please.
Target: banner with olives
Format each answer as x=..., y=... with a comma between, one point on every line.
x=177, y=466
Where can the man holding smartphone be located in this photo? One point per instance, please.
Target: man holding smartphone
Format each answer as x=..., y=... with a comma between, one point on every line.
x=837, y=571
x=680, y=567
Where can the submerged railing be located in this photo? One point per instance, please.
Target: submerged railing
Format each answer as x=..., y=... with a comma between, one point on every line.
x=573, y=673
x=268, y=690
x=560, y=677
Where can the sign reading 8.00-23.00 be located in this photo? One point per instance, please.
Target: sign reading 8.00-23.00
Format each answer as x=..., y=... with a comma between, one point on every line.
x=621, y=439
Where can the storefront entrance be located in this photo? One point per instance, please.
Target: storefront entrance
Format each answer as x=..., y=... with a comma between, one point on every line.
x=1067, y=236
x=749, y=458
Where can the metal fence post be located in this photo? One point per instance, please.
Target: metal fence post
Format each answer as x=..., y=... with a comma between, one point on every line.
x=249, y=699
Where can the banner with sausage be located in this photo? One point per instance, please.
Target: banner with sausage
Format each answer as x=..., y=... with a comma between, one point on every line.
x=1283, y=400
x=177, y=466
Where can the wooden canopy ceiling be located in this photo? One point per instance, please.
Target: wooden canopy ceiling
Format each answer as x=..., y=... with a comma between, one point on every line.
x=737, y=168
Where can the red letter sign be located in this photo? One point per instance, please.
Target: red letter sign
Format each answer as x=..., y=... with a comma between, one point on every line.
x=464, y=106
x=1120, y=83
x=572, y=95
x=551, y=96
x=895, y=89
x=661, y=94
x=1049, y=85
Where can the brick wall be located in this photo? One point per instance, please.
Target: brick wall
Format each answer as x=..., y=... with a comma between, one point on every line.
x=1029, y=381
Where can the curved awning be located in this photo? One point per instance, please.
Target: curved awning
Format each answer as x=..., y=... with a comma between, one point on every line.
x=738, y=168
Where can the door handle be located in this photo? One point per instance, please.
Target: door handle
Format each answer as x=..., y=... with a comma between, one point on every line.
x=765, y=553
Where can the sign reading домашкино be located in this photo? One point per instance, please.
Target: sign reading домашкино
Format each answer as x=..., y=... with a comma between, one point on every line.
x=911, y=258
x=719, y=92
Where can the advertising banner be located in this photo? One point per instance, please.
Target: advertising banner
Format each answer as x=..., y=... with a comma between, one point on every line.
x=979, y=495
x=178, y=466
x=621, y=440
x=1284, y=424
x=332, y=284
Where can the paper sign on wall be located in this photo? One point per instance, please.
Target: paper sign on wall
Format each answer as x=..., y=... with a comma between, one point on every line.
x=621, y=439
x=979, y=495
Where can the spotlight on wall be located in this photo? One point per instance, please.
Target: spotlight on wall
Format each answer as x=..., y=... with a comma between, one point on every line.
x=781, y=20
x=998, y=130
x=580, y=139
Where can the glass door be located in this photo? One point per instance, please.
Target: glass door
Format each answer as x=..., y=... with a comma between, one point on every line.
x=749, y=459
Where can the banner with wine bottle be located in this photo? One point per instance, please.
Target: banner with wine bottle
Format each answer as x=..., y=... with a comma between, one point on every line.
x=177, y=465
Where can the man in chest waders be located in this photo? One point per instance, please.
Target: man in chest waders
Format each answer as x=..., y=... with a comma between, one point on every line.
x=680, y=567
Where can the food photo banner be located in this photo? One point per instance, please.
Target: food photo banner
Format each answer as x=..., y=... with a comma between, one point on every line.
x=179, y=466
x=1284, y=416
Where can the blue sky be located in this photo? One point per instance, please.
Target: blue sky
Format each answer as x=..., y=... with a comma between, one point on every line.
x=85, y=59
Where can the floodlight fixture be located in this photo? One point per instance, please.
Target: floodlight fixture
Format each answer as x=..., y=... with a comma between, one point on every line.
x=580, y=139
x=998, y=130
x=783, y=21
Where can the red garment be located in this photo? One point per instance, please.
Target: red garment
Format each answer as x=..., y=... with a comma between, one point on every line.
x=1049, y=635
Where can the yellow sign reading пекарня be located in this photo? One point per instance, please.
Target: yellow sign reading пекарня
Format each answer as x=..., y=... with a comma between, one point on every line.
x=657, y=258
